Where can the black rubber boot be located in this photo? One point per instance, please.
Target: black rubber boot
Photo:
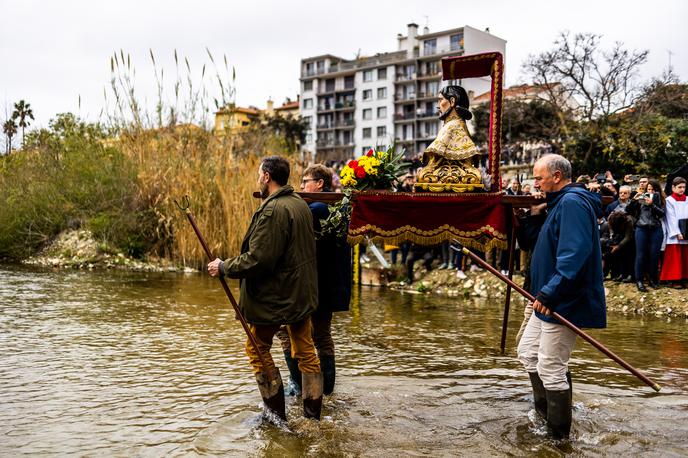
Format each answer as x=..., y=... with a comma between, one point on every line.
x=294, y=372
x=327, y=368
x=559, y=413
x=539, y=395
x=272, y=392
x=641, y=287
x=312, y=395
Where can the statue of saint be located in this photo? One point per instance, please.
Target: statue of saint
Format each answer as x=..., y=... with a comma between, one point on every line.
x=448, y=161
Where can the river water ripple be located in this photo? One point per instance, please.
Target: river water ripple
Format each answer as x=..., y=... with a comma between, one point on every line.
x=132, y=364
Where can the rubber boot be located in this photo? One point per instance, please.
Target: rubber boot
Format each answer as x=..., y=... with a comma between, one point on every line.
x=559, y=413
x=539, y=395
x=327, y=368
x=294, y=372
x=272, y=392
x=312, y=394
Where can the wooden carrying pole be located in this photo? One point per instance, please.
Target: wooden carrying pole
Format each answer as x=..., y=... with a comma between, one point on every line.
x=228, y=292
x=565, y=322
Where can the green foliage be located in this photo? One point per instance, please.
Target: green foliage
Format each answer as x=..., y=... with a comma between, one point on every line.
x=650, y=139
x=291, y=129
x=67, y=174
x=522, y=121
x=337, y=223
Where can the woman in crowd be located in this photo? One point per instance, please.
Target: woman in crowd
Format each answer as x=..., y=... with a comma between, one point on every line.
x=675, y=266
x=648, y=209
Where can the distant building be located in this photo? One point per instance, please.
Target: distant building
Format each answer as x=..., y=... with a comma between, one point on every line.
x=236, y=118
x=353, y=105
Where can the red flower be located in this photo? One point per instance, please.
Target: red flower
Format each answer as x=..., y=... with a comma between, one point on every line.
x=370, y=152
x=353, y=164
x=360, y=172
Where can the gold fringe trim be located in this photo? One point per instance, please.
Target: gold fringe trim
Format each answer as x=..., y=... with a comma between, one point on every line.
x=472, y=239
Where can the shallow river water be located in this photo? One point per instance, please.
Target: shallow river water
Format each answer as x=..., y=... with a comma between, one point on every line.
x=132, y=364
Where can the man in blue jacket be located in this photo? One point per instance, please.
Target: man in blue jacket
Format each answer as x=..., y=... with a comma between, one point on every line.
x=566, y=277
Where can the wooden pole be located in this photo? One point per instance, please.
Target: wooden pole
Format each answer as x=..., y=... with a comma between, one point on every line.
x=225, y=287
x=566, y=323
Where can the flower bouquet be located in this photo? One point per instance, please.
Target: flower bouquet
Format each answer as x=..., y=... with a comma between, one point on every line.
x=375, y=170
x=378, y=170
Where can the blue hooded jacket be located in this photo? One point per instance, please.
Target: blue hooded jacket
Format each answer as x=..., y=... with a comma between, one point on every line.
x=566, y=267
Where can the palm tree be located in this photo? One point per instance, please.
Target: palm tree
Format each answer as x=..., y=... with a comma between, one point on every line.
x=10, y=129
x=23, y=112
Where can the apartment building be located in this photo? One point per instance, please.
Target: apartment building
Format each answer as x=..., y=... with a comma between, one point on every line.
x=389, y=98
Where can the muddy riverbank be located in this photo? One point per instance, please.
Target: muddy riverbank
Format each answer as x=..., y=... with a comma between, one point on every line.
x=621, y=297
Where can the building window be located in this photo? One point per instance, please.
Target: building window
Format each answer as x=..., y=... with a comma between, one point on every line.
x=307, y=104
x=381, y=131
x=309, y=138
x=367, y=75
x=429, y=46
x=367, y=132
x=382, y=93
x=381, y=112
x=321, y=66
x=348, y=82
x=456, y=42
x=308, y=85
x=307, y=121
x=309, y=69
x=382, y=73
x=365, y=149
x=367, y=94
x=368, y=113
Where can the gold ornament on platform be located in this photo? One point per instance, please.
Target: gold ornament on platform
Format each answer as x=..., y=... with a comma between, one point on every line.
x=448, y=161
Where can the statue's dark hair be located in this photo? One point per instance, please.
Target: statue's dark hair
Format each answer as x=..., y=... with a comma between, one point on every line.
x=460, y=100
x=278, y=168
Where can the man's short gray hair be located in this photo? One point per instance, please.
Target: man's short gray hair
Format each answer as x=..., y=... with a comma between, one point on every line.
x=625, y=188
x=555, y=162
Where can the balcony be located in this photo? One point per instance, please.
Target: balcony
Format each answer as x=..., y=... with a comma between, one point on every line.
x=345, y=124
x=345, y=106
x=404, y=97
x=404, y=116
x=325, y=107
x=406, y=76
x=325, y=125
x=426, y=114
x=430, y=75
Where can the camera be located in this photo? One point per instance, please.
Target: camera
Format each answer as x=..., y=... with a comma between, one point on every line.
x=600, y=178
x=633, y=178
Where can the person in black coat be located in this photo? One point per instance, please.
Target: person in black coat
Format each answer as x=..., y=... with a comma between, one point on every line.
x=334, y=282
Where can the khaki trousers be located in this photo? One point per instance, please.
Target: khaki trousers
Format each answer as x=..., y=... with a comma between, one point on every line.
x=302, y=347
x=322, y=334
x=545, y=348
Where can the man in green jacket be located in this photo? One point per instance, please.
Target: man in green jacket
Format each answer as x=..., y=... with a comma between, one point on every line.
x=279, y=285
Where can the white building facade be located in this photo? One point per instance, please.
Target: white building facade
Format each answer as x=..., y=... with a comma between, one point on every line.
x=386, y=99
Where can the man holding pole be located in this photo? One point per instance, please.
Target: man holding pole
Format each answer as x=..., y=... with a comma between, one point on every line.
x=277, y=268
x=566, y=277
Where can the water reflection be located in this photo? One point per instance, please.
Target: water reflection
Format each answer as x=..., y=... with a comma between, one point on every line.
x=153, y=364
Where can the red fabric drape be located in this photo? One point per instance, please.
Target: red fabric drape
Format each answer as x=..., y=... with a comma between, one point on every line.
x=476, y=220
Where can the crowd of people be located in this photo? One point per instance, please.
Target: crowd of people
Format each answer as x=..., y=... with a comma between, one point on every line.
x=642, y=233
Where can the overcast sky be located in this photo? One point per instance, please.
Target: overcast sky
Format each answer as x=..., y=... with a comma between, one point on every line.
x=53, y=52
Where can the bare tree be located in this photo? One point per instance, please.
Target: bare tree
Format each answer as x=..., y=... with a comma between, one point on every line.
x=601, y=82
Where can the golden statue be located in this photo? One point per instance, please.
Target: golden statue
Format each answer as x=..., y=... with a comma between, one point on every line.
x=448, y=161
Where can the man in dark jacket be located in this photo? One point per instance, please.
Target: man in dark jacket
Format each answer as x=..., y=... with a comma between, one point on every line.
x=277, y=268
x=566, y=277
x=334, y=282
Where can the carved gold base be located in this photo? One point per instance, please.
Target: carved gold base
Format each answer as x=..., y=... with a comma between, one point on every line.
x=449, y=187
